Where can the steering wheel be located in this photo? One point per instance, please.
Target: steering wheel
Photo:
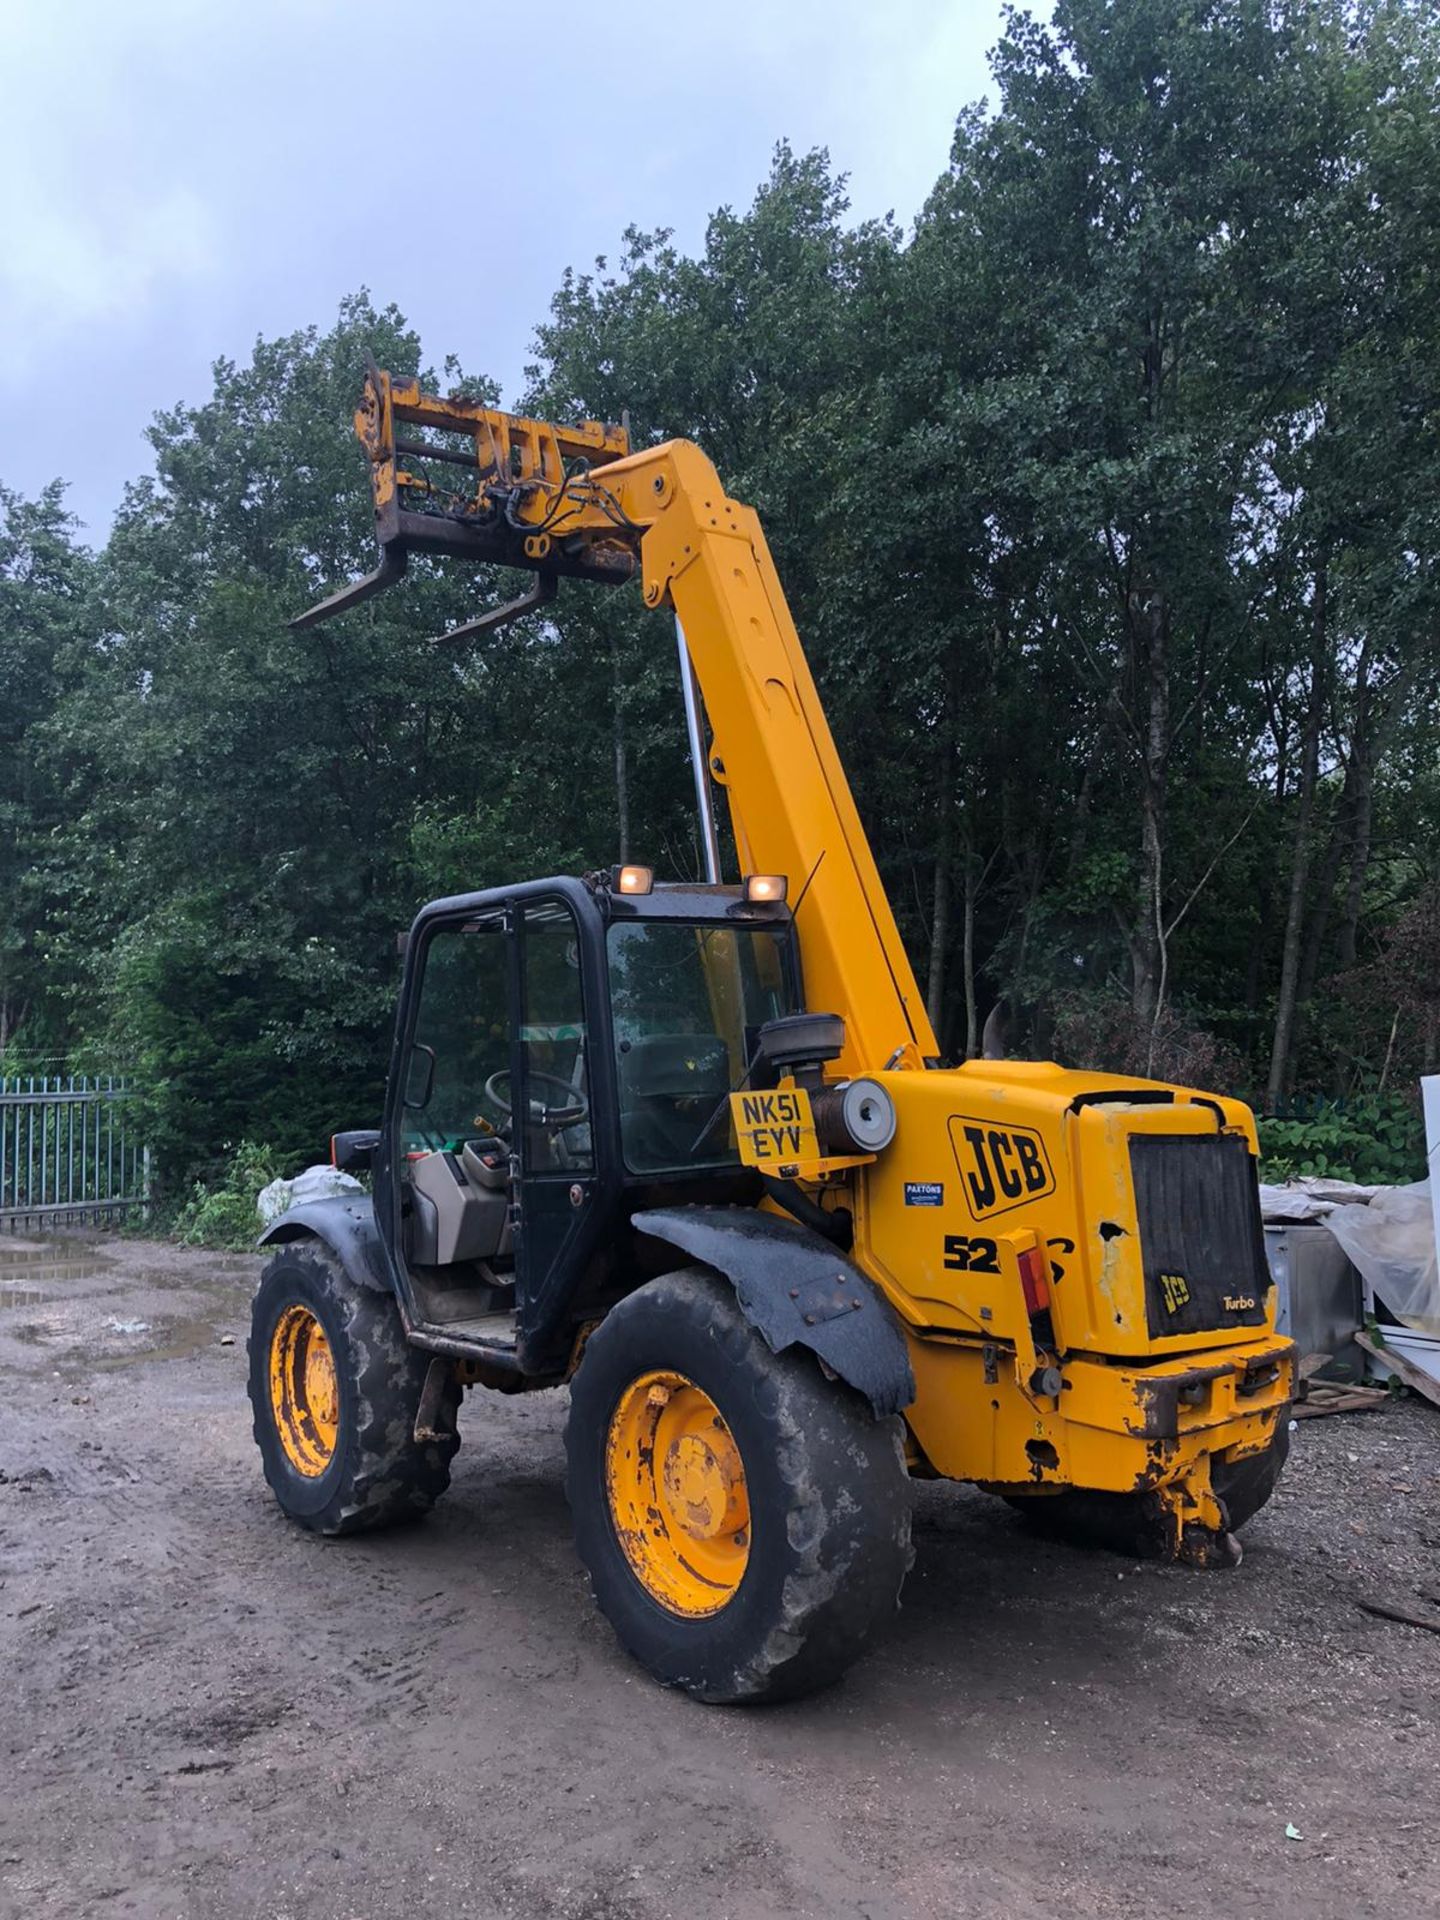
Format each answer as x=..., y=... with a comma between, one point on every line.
x=574, y=1107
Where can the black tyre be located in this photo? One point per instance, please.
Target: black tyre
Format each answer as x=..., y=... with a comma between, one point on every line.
x=1131, y=1523
x=1243, y=1486
x=334, y=1389
x=745, y=1522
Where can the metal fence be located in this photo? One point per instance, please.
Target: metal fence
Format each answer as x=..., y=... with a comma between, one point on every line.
x=69, y=1152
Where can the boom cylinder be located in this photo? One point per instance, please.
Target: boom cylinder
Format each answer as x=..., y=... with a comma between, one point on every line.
x=704, y=794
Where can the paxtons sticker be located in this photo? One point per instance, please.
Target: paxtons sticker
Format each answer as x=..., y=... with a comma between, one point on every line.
x=924, y=1193
x=1000, y=1167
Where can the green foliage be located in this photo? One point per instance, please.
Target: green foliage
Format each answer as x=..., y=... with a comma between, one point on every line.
x=44, y=579
x=236, y=852
x=1378, y=1139
x=221, y=1212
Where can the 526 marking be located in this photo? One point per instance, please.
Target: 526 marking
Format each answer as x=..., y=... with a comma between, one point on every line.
x=965, y=1253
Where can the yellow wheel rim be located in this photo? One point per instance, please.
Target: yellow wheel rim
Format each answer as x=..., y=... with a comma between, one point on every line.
x=678, y=1500
x=303, y=1395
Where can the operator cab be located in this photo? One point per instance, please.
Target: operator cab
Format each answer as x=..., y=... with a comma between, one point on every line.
x=564, y=1053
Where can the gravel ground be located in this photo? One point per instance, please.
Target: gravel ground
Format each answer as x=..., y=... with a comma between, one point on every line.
x=207, y=1712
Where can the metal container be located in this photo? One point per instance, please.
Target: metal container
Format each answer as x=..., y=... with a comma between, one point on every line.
x=1318, y=1295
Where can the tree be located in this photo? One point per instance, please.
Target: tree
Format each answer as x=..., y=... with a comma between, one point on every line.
x=44, y=578
x=238, y=854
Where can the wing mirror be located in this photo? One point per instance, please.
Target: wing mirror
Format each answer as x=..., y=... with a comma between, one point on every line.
x=353, y=1152
x=420, y=1077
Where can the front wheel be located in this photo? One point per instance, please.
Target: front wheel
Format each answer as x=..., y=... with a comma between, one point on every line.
x=745, y=1522
x=334, y=1389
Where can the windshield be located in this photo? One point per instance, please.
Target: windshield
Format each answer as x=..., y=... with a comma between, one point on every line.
x=687, y=1004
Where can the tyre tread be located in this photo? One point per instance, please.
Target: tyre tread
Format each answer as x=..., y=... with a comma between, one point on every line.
x=389, y=1476
x=849, y=1539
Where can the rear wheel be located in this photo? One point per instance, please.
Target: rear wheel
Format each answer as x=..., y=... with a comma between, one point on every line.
x=334, y=1390
x=1132, y=1523
x=745, y=1522
x=1244, y=1486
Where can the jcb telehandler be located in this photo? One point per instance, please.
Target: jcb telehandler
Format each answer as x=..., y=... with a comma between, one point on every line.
x=689, y=1148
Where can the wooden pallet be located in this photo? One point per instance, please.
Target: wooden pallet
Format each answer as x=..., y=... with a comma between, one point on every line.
x=1337, y=1396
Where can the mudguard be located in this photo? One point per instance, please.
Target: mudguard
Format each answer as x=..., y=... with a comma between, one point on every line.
x=346, y=1224
x=796, y=1289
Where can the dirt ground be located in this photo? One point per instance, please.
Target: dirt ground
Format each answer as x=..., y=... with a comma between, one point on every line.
x=207, y=1712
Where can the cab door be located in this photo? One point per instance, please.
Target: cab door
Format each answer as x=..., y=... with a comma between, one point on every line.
x=554, y=1143
x=455, y=1053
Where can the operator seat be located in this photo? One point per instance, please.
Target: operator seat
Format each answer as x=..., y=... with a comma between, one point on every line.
x=670, y=1083
x=460, y=1204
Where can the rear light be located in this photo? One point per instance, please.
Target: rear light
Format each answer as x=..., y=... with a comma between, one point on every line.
x=1035, y=1280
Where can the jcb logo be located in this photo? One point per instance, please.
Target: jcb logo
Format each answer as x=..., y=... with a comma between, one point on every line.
x=1175, y=1291
x=1000, y=1167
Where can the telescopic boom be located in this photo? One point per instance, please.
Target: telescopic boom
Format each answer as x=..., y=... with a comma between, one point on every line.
x=576, y=502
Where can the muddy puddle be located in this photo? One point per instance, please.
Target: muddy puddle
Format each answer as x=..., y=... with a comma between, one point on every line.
x=34, y=1272
x=54, y=1294
x=165, y=1340
x=41, y=1269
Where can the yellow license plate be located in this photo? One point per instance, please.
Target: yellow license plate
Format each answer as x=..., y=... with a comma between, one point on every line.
x=774, y=1127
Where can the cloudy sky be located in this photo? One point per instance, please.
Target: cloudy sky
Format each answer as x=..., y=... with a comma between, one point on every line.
x=183, y=175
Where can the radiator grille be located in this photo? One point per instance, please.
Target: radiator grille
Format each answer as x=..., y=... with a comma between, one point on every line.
x=1202, y=1246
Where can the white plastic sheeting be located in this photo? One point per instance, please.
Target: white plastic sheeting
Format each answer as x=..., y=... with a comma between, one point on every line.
x=1310, y=1198
x=1392, y=1242
x=315, y=1183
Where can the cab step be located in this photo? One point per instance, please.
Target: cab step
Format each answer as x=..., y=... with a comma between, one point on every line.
x=490, y=1334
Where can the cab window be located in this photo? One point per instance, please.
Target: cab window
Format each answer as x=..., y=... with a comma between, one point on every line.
x=554, y=1042
x=461, y=1035
x=687, y=1002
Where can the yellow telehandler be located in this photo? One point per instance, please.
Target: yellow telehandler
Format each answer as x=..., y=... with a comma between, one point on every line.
x=688, y=1147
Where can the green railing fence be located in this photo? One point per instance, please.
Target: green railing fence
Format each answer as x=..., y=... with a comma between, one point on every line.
x=69, y=1152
